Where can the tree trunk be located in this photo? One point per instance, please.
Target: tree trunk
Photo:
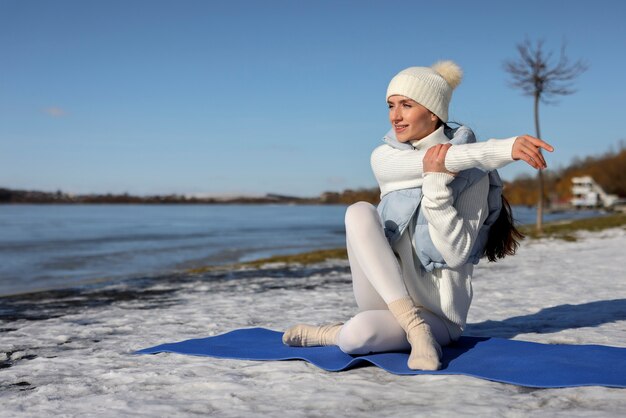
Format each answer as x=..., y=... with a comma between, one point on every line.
x=539, y=225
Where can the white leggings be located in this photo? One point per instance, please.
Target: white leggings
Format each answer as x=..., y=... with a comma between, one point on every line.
x=377, y=280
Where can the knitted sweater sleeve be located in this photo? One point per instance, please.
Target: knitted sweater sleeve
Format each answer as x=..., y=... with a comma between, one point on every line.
x=396, y=169
x=453, y=226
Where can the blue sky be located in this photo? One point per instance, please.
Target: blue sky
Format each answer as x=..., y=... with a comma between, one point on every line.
x=255, y=97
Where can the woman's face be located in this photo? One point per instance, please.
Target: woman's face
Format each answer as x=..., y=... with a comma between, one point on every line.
x=410, y=120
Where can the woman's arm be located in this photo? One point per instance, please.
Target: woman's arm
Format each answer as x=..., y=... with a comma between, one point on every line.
x=400, y=169
x=396, y=169
x=453, y=229
x=453, y=226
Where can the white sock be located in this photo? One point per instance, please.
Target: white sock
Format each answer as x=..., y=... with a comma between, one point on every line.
x=425, y=351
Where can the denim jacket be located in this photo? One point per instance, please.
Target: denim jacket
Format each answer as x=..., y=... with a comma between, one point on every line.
x=400, y=207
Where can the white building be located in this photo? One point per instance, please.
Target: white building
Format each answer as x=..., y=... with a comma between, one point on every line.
x=587, y=193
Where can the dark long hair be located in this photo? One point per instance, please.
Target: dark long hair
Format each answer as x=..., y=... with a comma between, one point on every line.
x=503, y=238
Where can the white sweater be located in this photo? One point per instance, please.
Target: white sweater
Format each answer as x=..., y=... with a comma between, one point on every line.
x=453, y=226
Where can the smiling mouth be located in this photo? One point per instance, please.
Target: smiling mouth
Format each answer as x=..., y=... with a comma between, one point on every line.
x=400, y=128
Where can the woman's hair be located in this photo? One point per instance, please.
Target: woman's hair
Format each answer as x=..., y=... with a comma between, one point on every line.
x=503, y=237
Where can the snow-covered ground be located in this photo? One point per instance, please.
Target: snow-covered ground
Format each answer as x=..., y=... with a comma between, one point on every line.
x=67, y=353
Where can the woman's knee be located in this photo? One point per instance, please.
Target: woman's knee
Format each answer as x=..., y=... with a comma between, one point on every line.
x=359, y=214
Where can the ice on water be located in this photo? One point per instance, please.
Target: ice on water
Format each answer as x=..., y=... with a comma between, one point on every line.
x=70, y=355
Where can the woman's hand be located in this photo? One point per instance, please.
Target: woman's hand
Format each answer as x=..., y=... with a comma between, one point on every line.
x=435, y=158
x=528, y=148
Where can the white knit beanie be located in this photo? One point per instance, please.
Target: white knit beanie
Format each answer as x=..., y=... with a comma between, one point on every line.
x=429, y=86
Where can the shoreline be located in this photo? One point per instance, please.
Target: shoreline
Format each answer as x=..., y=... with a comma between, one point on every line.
x=565, y=230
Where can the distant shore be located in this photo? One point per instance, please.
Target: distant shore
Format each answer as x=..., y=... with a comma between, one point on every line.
x=10, y=196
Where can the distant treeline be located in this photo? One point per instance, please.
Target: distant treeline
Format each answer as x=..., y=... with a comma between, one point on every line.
x=348, y=197
x=608, y=170
x=36, y=197
x=28, y=196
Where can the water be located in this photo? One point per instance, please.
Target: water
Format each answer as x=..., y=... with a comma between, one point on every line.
x=54, y=246
x=43, y=246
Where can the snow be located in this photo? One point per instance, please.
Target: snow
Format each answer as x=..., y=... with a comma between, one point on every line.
x=67, y=353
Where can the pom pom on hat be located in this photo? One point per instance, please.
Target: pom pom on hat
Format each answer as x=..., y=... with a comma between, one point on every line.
x=450, y=72
x=429, y=86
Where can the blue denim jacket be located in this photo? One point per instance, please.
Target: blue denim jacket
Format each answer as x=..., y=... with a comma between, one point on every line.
x=400, y=207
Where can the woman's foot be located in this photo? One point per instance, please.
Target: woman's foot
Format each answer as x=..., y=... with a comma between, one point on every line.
x=425, y=351
x=303, y=335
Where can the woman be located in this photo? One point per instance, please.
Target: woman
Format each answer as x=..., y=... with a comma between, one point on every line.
x=412, y=260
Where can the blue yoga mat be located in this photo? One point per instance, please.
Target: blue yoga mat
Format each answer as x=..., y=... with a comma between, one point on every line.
x=508, y=361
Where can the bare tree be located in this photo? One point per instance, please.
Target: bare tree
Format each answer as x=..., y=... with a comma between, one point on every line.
x=535, y=73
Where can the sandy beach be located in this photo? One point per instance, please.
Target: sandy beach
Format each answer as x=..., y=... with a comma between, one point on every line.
x=68, y=352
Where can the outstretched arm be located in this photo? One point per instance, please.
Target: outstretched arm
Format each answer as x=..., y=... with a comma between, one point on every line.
x=396, y=169
x=400, y=169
